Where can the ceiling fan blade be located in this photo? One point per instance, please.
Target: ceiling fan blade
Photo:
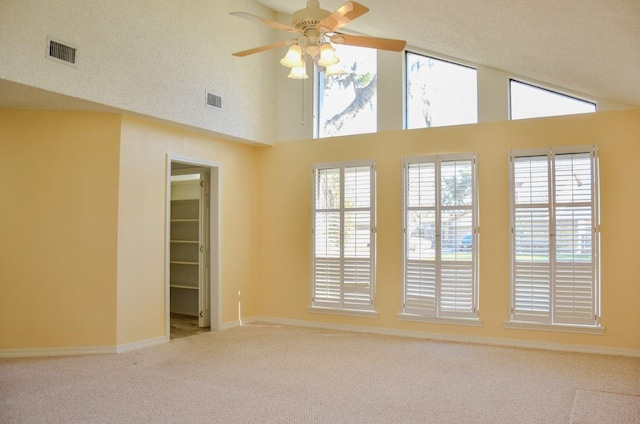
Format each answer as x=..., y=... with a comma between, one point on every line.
x=267, y=22
x=342, y=16
x=264, y=48
x=371, y=42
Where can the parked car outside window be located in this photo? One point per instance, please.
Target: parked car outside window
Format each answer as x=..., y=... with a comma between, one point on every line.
x=466, y=242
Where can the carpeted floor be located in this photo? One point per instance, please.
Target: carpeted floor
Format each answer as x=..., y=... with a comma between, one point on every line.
x=272, y=374
x=591, y=407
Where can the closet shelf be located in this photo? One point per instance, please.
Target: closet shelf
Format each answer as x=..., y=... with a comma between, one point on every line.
x=187, y=218
x=182, y=286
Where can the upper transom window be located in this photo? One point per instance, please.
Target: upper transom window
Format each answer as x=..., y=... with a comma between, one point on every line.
x=529, y=101
x=348, y=103
x=439, y=93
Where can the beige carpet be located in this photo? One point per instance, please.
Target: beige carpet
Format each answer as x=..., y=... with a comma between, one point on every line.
x=271, y=374
x=591, y=407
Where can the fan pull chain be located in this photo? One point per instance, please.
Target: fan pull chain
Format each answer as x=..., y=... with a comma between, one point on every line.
x=302, y=108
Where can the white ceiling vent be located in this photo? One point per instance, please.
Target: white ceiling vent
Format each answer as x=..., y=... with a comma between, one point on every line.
x=61, y=51
x=214, y=101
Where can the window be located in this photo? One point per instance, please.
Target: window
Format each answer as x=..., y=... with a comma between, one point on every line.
x=555, y=236
x=344, y=236
x=439, y=93
x=347, y=103
x=440, y=237
x=529, y=101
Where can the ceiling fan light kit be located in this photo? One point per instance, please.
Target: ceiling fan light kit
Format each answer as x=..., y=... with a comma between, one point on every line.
x=298, y=72
x=328, y=56
x=293, y=57
x=316, y=31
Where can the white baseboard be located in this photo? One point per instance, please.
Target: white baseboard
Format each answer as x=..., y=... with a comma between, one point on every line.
x=56, y=351
x=101, y=350
x=128, y=347
x=492, y=341
x=81, y=350
x=237, y=323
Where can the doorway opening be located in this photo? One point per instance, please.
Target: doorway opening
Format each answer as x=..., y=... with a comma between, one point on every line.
x=192, y=248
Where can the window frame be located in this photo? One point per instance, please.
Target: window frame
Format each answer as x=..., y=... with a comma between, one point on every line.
x=540, y=321
x=341, y=307
x=407, y=313
x=406, y=87
x=548, y=90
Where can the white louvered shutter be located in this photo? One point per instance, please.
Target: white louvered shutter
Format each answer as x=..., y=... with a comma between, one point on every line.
x=457, y=224
x=420, y=239
x=440, y=278
x=574, y=273
x=357, y=276
x=327, y=268
x=344, y=236
x=532, y=266
x=554, y=243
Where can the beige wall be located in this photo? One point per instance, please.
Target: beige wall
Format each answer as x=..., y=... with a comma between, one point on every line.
x=142, y=223
x=83, y=222
x=58, y=221
x=82, y=258
x=285, y=221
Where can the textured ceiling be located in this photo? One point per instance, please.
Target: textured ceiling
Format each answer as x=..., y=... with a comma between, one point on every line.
x=591, y=47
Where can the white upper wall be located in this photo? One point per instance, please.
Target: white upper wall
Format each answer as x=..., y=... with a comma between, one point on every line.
x=152, y=57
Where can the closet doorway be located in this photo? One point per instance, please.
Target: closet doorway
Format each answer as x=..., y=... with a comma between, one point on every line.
x=192, y=248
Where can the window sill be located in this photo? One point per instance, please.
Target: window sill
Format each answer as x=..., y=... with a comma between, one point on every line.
x=472, y=322
x=347, y=312
x=563, y=328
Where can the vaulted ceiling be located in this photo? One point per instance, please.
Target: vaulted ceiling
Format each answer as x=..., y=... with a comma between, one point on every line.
x=591, y=47
x=588, y=47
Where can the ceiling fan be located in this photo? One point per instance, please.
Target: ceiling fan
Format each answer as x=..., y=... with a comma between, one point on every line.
x=315, y=29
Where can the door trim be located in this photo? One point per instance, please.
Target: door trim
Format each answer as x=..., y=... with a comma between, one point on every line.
x=215, y=284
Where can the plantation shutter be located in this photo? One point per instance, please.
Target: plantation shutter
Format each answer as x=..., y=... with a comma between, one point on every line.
x=575, y=270
x=440, y=278
x=420, y=259
x=555, y=240
x=532, y=265
x=457, y=224
x=357, y=236
x=343, y=260
x=327, y=229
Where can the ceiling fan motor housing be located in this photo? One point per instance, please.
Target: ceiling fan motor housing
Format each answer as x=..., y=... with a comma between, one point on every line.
x=309, y=17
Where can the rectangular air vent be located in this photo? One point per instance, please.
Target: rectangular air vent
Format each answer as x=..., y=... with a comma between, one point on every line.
x=62, y=52
x=214, y=101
